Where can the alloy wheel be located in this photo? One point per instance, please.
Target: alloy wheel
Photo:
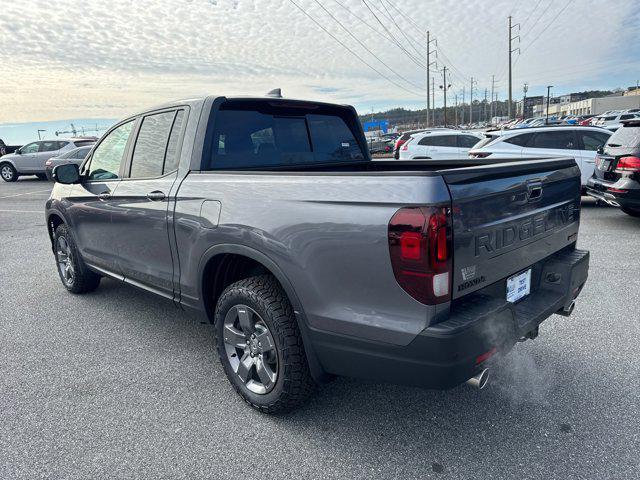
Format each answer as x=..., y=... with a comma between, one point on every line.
x=6, y=172
x=250, y=349
x=65, y=260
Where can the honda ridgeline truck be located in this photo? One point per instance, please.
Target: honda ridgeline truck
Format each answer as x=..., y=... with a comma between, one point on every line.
x=312, y=260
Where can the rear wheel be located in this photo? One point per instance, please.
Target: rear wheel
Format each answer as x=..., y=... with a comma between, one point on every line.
x=75, y=275
x=260, y=346
x=8, y=173
x=634, y=212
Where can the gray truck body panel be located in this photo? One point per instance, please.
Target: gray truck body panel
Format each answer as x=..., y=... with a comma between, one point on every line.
x=324, y=235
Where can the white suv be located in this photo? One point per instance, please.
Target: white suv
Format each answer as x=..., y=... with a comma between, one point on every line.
x=578, y=142
x=612, y=120
x=439, y=144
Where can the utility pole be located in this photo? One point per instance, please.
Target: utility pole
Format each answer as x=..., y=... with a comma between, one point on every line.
x=511, y=50
x=549, y=87
x=462, y=111
x=455, y=95
x=429, y=63
x=433, y=102
x=525, y=89
x=444, y=87
x=473, y=82
x=485, y=104
x=493, y=86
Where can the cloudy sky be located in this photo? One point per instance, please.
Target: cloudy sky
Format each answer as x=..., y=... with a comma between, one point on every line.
x=101, y=59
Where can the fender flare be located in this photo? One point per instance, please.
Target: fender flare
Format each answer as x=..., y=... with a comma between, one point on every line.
x=317, y=372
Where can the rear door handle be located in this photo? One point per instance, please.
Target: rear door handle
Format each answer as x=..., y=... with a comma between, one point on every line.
x=104, y=196
x=156, y=195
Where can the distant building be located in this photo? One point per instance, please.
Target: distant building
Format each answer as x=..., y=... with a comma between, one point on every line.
x=589, y=106
x=529, y=103
x=632, y=91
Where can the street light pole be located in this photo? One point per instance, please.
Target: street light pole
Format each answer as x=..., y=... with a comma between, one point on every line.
x=40, y=130
x=549, y=87
x=444, y=87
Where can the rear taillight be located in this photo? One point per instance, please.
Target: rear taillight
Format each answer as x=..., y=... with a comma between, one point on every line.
x=420, y=250
x=480, y=154
x=48, y=163
x=628, y=164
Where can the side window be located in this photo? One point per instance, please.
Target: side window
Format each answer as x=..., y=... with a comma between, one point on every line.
x=173, y=148
x=30, y=148
x=444, y=141
x=626, y=117
x=467, y=141
x=106, y=159
x=561, y=140
x=151, y=145
x=426, y=141
x=520, y=140
x=48, y=146
x=61, y=145
x=593, y=140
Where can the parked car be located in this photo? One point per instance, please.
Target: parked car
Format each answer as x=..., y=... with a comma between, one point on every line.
x=381, y=146
x=616, y=179
x=268, y=215
x=401, y=140
x=77, y=155
x=614, y=119
x=30, y=159
x=439, y=144
x=578, y=142
x=585, y=119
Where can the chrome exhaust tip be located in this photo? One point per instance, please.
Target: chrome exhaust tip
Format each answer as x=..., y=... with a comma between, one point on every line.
x=480, y=380
x=566, y=311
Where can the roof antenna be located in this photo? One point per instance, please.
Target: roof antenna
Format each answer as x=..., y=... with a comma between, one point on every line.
x=275, y=93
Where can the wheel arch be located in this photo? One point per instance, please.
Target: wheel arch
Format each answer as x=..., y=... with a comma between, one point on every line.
x=224, y=264
x=54, y=219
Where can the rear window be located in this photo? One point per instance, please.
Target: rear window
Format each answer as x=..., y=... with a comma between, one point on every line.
x=520, y=140
x=265, y=135
x=485, y=141
x=627, y=136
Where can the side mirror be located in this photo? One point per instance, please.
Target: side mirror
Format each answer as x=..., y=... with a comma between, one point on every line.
x=67, y=173
x=600, y=150
x=18, y=151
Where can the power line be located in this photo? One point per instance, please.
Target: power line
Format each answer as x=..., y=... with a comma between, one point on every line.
x=540, y=17
x=352, y=52
x=548, y=25
x=361, y=20
x=398, y=27
x=531, y=13
x=365, y=47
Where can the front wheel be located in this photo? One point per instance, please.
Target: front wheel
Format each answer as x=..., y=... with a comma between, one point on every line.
x=75, y=275
x=634, y=212
x=8, y=172
x=260, y=346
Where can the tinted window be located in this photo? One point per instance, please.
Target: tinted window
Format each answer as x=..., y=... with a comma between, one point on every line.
x=81, y=152
x=593, y=140
x=30, y=148
x=439, y=141
x=626, y=117
x=627, y=136
x=562, y=140
x=171, y=159
x=467, y=141
x=62, y=145
x=49, y=146
x=606, y=119
x=274, y=136
x=151, y=145
x=106, y=159
x=520, y=140
x=82, y=143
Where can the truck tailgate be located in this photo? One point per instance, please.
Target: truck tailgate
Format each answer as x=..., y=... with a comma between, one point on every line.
x=508, y=216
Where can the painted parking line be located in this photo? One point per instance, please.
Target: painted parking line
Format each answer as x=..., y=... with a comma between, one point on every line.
x=23, y=211
x=25, y=193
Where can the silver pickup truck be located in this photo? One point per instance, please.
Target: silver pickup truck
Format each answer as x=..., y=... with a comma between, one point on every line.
x=311, y=260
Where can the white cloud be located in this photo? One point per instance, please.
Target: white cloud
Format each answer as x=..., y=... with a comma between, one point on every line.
x=97, y=58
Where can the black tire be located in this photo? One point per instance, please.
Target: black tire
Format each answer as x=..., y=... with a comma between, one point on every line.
x=8, y=172
x=631, y=211
x=79, y=279
x=293, y=384
x=42, y=176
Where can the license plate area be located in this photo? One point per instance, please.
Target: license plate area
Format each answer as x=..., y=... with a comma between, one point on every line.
x=518, y=286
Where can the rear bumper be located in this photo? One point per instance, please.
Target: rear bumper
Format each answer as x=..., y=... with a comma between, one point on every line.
x=627, y=194
x=446, y=354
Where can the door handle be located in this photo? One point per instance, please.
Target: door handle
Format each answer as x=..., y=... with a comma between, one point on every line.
x=104, y=196
x=156, y=195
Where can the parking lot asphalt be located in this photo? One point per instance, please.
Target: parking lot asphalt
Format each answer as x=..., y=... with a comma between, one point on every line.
x=120, y=384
